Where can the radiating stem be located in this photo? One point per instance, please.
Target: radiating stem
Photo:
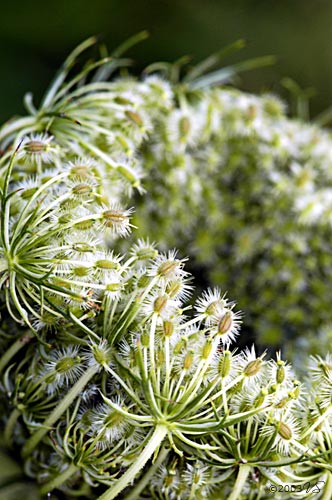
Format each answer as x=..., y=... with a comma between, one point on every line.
x=15, y=348
x=155, y=441
x=59, y=479
x=240, y=481
x=71, y=395
x=134, y=494
x=10, y=426
x=317, y=422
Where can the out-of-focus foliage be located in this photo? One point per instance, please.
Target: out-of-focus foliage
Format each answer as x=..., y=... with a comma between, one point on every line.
x=233, y=181
x=36, y=36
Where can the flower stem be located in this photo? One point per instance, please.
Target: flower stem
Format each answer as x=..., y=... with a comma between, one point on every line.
x=15, y=348
x=240, y=481
x=75, y=391
x=135, y=492
x=58, y=480
x=317, y=422
x=10, y=426
x=155, y=441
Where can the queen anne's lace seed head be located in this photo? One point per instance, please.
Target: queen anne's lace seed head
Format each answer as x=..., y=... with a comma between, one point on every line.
x=132, y=373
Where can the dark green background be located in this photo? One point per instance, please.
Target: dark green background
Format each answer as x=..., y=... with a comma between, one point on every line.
x=36, y=35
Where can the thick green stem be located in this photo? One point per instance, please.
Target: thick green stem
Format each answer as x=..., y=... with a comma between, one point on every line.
x=155, y=441
x=240, y=481
x=134, y=494
x=15, y=348
x=327, y=494
x=58, y=480
x=71, y=395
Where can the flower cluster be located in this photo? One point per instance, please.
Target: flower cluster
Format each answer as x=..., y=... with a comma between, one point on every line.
x=247, y=192
x=229, y=177
x=112, y=384
x=142, y=378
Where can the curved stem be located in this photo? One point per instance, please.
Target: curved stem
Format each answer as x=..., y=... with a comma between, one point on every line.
x=153, y=444
x=71, y=395
x=11, y=127
x=10, y=426
x=244, y=470
x=15, y=348
x=58, y=480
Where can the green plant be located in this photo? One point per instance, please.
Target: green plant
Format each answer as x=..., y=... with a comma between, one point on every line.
x=112, y=384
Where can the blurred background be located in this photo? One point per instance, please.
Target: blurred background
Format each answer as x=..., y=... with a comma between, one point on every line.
x=35, y=36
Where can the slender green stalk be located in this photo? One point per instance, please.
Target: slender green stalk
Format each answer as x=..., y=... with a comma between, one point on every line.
x=10, y=425
x=9, y=128
x=155, y=441
x=317, y=422
x=71, y=395
x=15, y=348
x=244, y=470
x=58, y=480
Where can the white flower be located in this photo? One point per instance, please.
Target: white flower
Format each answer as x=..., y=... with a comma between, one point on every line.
x=167, y=267
x=63, y=367
x=288, y=431
x=38, y=149
x=212, y=305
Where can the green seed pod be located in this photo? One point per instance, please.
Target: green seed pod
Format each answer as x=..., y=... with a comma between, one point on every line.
x=80, y=171
x=82, y=190
x=173, y=288
x=180, y=345
x=107, y=264
x=224, y=364
x=160, y=358
x=207, y=348
x=81, y=271
x=83, y=247
x=225, y=324
x=168, y=328
x=145, y=339
x=134, y=117
x=253, y=367
x=143, y=281
x=160, y=303
x=146, y=253
x=184, y=127
x=66, y=364
x=188, y=360
x=113, y=217
x=284, y=431
x=280, y=376
x=167, y=268
x=84, y=225
x=113, y=287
